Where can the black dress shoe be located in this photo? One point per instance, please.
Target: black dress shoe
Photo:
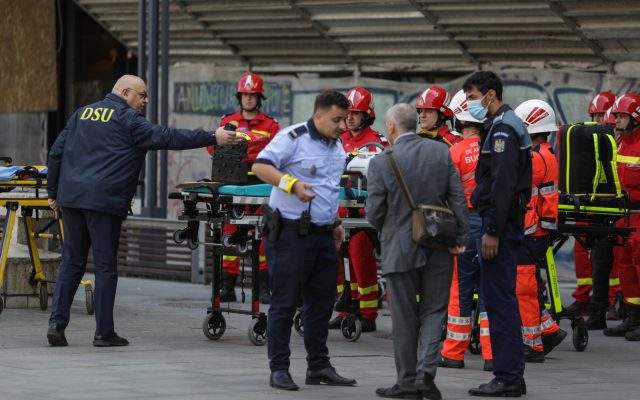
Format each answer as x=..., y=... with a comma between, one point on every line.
x=111, y=340
x=449, y=363
x=335, y=323
x=497, y=388
x=428, y=389
x=396, y=392
x=327, y=376
x=282, y=380
x=56, y=336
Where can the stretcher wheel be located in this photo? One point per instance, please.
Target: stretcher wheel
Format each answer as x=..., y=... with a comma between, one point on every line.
x=257, y=331
x=474, y=344
x=580, y=334
x=89, y=300
x=43, y=294
x=381, y=293
x=1, y=304
x=351, y=328
x=191, y=244
x=297, y=323
x=214, y=326
x=237, y=212
x=179, y=236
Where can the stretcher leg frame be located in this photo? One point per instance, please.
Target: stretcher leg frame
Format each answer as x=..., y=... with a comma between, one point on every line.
x=7, y=231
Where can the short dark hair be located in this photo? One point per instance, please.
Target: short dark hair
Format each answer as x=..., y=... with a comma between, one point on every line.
x=329, y=98
x=484, y=81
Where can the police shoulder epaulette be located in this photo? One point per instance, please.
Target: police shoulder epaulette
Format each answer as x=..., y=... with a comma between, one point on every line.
x=297, y=132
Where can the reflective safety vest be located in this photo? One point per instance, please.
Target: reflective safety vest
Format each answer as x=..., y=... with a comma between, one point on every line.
x=465, y=156
x=542, y=210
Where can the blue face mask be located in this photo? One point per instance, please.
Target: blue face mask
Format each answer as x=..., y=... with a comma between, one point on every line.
x=476, y=109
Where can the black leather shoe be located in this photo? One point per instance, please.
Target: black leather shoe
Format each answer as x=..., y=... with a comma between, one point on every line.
x=532, y=356
x=282, y=380
x=395, y=392
x=56, y=336
x=335, y=323
x=550, y=342
x=496, y=388
x=488, y=365
x=327, y=376
x=112, y=340
x=428, y=389
x=449, y=363
x=368, y=325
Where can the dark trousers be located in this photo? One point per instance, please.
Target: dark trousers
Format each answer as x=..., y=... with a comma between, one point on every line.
x=82, y=229
x=300, y=266
x=498, y=289
x=469, y=267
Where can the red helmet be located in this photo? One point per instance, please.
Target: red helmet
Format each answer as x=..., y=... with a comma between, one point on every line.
x=250, y=83
x=435, y=97
x=360, y=99
x=628, y=103
x=602, y=102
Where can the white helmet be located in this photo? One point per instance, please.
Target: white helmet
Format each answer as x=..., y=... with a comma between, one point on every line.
x=538, y=116
x=458, y=105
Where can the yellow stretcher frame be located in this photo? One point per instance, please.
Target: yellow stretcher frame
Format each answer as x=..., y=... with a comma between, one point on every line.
x=28, y=205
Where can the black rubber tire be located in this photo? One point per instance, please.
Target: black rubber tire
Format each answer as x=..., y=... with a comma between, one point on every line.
x=1, y=304
x=89, y=301
x=297, y=323
x=214, y=326
x=178, y=236
x=351, y=328
x=257, y=331
x=580, y=335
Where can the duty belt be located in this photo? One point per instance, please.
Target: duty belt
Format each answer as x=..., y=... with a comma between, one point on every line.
x=313, y=228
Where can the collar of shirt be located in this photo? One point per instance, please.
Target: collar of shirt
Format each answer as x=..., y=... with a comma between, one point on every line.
x=313, y=131
x=488, y=123
x=406, y=134
x=116, y=98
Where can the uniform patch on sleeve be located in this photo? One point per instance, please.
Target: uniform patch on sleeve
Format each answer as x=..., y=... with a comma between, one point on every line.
x=498, y=145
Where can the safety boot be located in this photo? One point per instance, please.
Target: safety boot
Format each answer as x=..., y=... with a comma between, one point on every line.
x=265, y=293
x=577, y=309
x=631, y=323
x=633, y=336
x=597, y=318
x=228, y=291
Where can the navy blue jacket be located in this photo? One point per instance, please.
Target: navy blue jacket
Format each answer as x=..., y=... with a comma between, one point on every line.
x=95, y=162
x=503, y=173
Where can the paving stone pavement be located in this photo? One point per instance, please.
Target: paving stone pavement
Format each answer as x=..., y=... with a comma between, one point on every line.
x=169, y=357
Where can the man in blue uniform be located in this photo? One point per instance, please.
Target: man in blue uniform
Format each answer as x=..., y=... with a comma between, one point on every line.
x=94, y=166
x=503, y=176
x=304, y=163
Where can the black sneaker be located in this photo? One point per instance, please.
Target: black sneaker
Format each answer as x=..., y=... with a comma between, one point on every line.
x=112, y=340
x=56, y=337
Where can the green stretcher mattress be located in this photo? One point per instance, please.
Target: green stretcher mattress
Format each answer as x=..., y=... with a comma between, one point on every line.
x=262, y=190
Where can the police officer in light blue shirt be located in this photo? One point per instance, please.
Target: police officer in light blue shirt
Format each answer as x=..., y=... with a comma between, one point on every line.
x=304, y=163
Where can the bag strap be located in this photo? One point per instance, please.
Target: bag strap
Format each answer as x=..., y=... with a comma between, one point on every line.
x=400, y=179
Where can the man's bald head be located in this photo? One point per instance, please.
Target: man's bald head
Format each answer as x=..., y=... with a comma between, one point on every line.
x=133, y=90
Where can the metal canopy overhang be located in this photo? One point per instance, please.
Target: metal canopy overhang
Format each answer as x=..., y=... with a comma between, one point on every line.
x=390, y=35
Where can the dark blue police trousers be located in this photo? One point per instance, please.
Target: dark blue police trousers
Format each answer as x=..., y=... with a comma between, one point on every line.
x=498, y=291
x=83, y=229
x=300, y=266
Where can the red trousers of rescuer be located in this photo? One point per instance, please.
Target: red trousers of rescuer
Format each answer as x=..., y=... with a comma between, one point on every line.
x=628, y=262
x=584, y=276
x=363, y=271
x=231, y=264
x=465, y=279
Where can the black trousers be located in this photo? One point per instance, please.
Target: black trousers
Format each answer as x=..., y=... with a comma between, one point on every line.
x=300, y=266
x=601, y=264
x=83, y=229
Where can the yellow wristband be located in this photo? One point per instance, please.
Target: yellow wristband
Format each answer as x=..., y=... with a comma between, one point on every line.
x=286, y=183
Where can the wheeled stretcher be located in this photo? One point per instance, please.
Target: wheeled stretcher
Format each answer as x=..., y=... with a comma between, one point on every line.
x=217, y=204
x=22, y=189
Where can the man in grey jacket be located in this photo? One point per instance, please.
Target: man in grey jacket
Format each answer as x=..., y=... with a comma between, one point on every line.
x=418, y=278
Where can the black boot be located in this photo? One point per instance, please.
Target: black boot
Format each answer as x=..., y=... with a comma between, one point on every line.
x=549, y=342
x=631, y=323
x=265, y=294
x=228, y=291
x=577, y=309
x=597, y=318
x=532, y=356
x=633, y=336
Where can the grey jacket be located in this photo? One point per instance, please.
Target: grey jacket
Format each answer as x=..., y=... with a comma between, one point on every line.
x=432, y=179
